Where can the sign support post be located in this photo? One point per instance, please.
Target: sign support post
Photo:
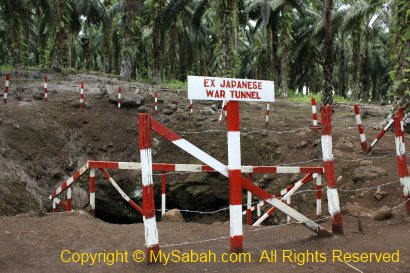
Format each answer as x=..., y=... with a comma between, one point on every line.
x=232, y=91
x=235, y=177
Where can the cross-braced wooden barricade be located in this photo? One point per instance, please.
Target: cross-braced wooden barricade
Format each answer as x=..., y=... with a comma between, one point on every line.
x=234, y=172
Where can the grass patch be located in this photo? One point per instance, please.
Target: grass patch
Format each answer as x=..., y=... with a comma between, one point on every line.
x=300, y=98
x=175, y=85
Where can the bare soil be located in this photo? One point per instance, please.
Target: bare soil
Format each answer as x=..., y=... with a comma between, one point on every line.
x=35, y=244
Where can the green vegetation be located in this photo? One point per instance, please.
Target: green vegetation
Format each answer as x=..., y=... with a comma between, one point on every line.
x=344, y=46
x=300, y=98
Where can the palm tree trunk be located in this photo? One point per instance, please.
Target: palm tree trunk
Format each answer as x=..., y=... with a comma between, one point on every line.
x=274, y=54
x=355, y=64
x=327, y=96
x=107, y=49
x=228, y=62
x=130, y=8
x=285, y=72
x=60, y=28
x=157, y=38
x=16, y=46
x=364, y=77
x=126, y=65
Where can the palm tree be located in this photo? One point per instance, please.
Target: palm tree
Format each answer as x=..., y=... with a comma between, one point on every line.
x=109, y=12
x=356, y=22
x=278, y=17
x=17, y=17
x=130, y=9
x=227, y=61
x=59, y=21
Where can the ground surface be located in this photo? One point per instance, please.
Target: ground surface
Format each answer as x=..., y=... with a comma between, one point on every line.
x=43, y=143
x=35, y=245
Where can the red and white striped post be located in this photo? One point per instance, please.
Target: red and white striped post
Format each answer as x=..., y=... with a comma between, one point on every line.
x=314, y=115
x=288, y=202
x=163, y=192
x=82, y=95
x=6, y=88
x=156, y=102
x=46, y=88
x=54, y=206
x=267, y=113
x=318, y=195
x=235, y=177
x=249, y=204
x=118, y=99
x=150, y=224
x=402, y=158
x=258, y=210
x=329, y=166
x=69, y=198
x=191, y=109
x=223, y=111
x=363, y=141
x=92, y=191
x=379, y=136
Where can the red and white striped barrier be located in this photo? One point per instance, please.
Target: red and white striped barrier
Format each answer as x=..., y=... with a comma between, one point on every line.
x=268, y=198
x=156, y=102
x=6, y=88
x=82, y=95
x=163, y=167
x=363, y=141
x=57, y=201
x=69, y=198
x=288, y=202
x=203, y=168
x=150, y=224
x=191, y=109
x=314, y=115
x=221, y=168
x=258, y=211
x=318, y=195
x=163, y=192
x=92, y=191
x=402, y=158
x=119, y=99
x=235, y=177
x=380, y=135
x=67, y=183
x=46, y=88
x=121, y=192
x=267, y=113
x=223, y=112
x=67, y=186
x=329, y=165
x=285, y=194
x=249, y=204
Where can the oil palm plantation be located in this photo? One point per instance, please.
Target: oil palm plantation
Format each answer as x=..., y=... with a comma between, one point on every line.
x=338, y=45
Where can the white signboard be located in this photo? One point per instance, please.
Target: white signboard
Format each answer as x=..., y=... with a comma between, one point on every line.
x=211, y=88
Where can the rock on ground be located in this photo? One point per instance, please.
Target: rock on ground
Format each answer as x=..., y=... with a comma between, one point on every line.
x=128, y=100
x=385, y=213
x=173, y=215
x=363, y=173
x=379, y=195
